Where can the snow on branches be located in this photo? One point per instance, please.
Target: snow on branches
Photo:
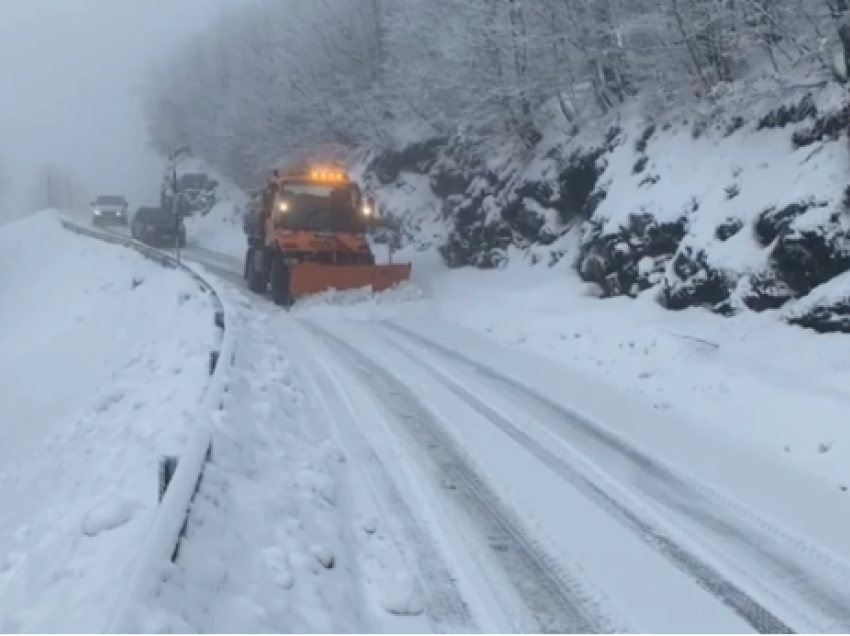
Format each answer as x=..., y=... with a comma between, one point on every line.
x=268, y=80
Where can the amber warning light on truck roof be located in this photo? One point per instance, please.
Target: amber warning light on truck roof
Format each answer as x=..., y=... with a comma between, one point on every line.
x=323, y=175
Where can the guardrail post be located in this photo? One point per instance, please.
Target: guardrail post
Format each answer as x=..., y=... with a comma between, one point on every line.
x=213, y=361
x=167, y=466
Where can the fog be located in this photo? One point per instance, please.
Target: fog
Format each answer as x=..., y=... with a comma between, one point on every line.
x=70, y=76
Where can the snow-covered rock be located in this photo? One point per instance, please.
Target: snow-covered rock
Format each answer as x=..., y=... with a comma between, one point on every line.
x=735, y=209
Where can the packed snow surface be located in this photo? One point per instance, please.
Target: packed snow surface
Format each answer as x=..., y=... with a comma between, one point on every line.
x=720, y=407
x=702, y=452
x=103, y=362
x=781, y=389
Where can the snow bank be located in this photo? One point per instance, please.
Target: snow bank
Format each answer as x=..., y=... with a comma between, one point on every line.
x=276, y=540
x=780, y=389
x=103, y=362
x=219, y=231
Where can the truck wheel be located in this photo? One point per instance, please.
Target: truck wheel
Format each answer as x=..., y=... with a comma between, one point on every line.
x=256, y=280
x=280, y=283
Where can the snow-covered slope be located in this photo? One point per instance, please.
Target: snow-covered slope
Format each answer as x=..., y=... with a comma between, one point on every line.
x=103, y=361
x=734, y=209
x=220, y=230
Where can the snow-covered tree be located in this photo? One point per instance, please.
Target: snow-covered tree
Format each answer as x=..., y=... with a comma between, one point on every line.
x=278, y=79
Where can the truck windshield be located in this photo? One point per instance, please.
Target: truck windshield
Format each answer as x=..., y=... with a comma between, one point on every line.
x=319, y=208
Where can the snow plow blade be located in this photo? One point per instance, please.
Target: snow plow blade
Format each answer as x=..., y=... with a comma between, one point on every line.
x=314, y=278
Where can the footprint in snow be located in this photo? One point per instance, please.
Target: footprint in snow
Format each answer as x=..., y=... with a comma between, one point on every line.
x=323, y=555
x=369, y=525
x=279, y=568
x=108, y=401
x=315, y=482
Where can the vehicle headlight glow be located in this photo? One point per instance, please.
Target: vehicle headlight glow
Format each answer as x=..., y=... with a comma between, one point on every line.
x=283, y=206
x=367, y=210
x=97, y=212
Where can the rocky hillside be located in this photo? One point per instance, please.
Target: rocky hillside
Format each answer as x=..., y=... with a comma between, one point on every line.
x=722, y=210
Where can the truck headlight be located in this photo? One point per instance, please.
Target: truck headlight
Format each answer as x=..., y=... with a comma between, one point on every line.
x=97, y=212
x=367, y=210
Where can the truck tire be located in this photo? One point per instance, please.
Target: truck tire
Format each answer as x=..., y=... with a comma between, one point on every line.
x=256, y=280
x=280, y=282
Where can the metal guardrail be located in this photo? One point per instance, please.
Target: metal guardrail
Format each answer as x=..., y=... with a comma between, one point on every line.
x=179, y=478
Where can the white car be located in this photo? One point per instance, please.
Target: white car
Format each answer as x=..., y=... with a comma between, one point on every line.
x=110, y=210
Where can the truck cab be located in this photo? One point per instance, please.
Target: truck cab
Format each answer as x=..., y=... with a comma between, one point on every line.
x=309, y=236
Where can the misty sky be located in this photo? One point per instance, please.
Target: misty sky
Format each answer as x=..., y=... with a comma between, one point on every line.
x=70, y=72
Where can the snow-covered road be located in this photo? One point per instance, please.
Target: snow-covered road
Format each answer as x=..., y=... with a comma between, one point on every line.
x=224, y=266
x=510, y=493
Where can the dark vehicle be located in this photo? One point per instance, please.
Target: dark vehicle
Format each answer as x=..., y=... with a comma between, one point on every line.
x=158, y=227
x=109, y=210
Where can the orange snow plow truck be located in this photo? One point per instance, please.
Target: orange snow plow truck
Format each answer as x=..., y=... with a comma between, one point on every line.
x=308, y=236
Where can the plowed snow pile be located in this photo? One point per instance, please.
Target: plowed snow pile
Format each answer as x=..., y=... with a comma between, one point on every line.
x=285, y=535
x=103, y=361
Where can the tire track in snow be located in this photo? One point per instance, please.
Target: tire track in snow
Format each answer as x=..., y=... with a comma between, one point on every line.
x=682, y=496
x=555, y=597
x=444, y=602
x=221, y=265
x=202, y=254
x=232, y=277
